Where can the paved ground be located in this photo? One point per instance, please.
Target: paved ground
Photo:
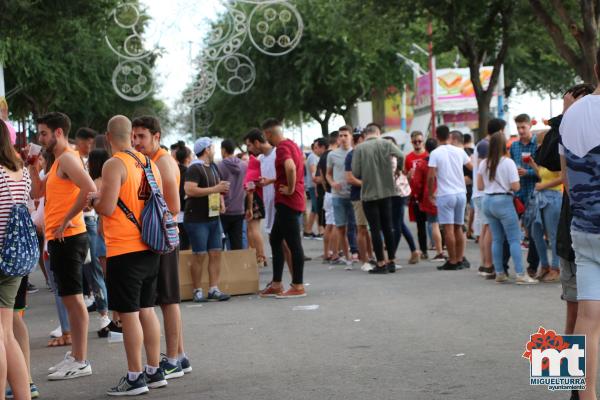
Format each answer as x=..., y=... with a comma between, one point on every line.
x=417, y=334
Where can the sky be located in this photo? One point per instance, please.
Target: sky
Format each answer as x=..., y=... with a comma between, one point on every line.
x=179, y=26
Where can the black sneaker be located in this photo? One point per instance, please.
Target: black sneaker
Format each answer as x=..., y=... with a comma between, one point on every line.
x=171, y=370
x=308, y=236
x=217, y=295
x=307, y=258
x=391, y=267
x=465, y=263
x=128, y=388
x=491, y=276
x=186, y=366
x=31, y=288
x=485, y=271
x=443, y=266
x=380, y=270
x=373, y=262
x=157, y=380
x=448, y=266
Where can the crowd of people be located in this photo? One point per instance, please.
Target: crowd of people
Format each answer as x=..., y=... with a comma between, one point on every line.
x=89, y=197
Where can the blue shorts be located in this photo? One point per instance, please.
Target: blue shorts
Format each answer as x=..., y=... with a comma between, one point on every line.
x=314, y=205
x=587, y=259
x=205, y=236
x=343, y=212
x=451, y=209
x=432, y=218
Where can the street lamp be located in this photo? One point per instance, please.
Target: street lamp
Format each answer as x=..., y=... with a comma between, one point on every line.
x=416, y=69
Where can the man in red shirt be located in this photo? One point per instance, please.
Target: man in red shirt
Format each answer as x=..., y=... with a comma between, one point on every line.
x=412, y=161
x=289, y=205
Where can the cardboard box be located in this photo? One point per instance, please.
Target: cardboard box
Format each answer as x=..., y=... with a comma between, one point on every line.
x=239, y=272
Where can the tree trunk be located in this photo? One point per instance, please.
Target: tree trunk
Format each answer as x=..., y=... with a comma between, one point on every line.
x=583, y=57
x=325, y=125
x=483, y=111
x=323, y=121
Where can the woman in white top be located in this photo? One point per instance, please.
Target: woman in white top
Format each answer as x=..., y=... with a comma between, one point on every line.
x=15, y=186
x=497, y=176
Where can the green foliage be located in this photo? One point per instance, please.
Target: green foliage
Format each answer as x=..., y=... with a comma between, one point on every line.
x=55, y=51
x=334, y=65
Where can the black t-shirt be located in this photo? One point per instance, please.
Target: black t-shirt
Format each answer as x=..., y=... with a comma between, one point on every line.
x=322, y=170
x=182, y=171
x=196, y=208
x=564, y=243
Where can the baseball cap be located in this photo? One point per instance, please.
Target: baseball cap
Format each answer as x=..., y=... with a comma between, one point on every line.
x=201, y=144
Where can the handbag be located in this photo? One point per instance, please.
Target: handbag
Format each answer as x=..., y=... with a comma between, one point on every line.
x=519, y=206
x=20, y=251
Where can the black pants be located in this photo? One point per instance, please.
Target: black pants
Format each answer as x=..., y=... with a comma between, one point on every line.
x=533, y=259
x=233, y=227
x=286, y=226
x=421, y=218
x=379, y=216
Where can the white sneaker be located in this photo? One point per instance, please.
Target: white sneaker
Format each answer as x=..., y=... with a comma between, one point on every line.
x=366, y=267
x=348, y=266
x=525, y=279
x=88, y=300
x=56, y=333
x=398, y=266
x=71, y=369
x=65, y=360
x=103, y=322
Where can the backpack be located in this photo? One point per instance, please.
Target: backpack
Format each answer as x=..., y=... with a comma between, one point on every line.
x=20, y=251
x=158, y=227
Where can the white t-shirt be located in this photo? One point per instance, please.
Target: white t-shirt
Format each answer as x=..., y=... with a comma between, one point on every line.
x=267, y=170
x=506, y=173
x=449, y=161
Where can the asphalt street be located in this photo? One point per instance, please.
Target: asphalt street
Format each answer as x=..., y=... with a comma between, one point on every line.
x=416, y=334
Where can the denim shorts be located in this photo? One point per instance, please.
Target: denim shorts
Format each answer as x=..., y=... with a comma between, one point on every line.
x=342, y=208
x=451, y=209
x=432, y=218
x=314, y=205
x=328, y=207
x=205, y=236
x=587, y=258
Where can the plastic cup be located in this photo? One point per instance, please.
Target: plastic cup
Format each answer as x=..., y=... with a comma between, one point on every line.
x=34, y=153
x=526, y=157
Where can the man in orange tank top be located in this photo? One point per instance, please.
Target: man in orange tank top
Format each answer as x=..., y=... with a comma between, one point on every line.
x=146, y=139
x=132, y=269
x=65, y=188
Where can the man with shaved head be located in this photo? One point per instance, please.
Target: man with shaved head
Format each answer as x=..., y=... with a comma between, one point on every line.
x=132, y=269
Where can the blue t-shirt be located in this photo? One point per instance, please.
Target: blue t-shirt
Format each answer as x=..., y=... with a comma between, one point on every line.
x=354, y=190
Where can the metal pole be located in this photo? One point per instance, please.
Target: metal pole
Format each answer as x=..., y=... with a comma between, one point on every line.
x=2, y=88
x=193, y=122
x=432, y=78
x=301, y=132
x=500, y=88
x=403, y=112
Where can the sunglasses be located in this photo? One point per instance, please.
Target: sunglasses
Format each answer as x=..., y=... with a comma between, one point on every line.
x=417, y=141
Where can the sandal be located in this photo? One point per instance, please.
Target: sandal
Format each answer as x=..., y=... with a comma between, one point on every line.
x=64, y=340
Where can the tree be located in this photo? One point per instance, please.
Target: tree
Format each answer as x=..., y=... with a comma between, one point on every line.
x=56, y=53
x=573, y=27
x=334, y=65
x=481, y=31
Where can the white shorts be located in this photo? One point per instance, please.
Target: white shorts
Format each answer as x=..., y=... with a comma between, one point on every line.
x=479, y=218
x=328, y=207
